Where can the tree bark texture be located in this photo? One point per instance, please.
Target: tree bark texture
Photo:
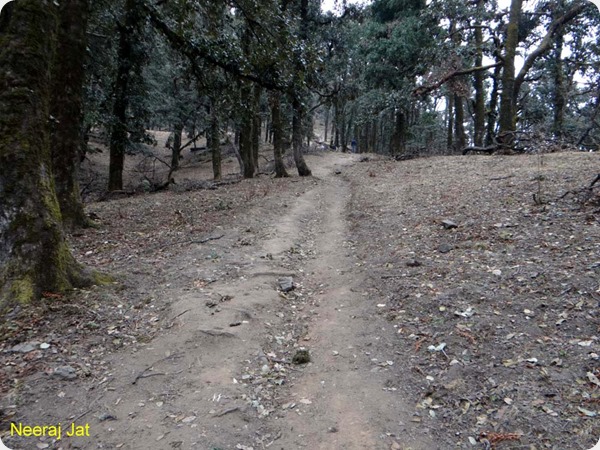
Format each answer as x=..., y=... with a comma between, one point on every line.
x=400, y=129
x=559, y=94
x=298, y=116
x=119, y=136
x=176, y=150
x=280, y=171
x=256, y=125
x=34, y=255
x=459, y=123
x=215, y=143
x=479, y=77
x=450, y=121
x=246, y=129
x=508, y=108
x=492, y=109
x=67, y=110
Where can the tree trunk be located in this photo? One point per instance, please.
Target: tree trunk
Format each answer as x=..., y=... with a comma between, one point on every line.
x=450, y=121
x=459, y=123
x=399, y=136
x=298, y=116
x=256, y=125
x=67, y=110
x=327, y=108
x=215, y=142
x=176, y=150
x=508, y=107
x=280, y=171
x=373, y=139
x=34, y=255
x=246, y=131
x=559, y=90
x=119, y=138
x=492, y=110
x=349, y=126
x=479, y=76
x=334, y=137
x=341, y=128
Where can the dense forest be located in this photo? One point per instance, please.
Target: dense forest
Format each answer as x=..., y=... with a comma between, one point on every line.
x=404, y=78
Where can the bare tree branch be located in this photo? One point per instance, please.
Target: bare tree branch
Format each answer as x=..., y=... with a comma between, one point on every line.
x=547, y=41
x=422, y=90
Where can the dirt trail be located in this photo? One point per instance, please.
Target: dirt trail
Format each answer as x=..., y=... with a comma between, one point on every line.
x=220, y=376
x=349, y=408
x=193, y=368
x=378, y=282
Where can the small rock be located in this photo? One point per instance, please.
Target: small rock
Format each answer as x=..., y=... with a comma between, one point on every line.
x=188, y=419
x=235, y=324
x=445, y=248
x=438, y=348
x=25, y=347
x=448, y=224
x=65, y=373
x=414, y=263
x=286, y=284
x=301, y=357
x=106, y=416
x=395, y=446
x=332, y=429
x=337, y=171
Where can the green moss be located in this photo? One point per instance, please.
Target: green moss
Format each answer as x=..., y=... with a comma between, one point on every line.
x=103, y=279
x=22, y=290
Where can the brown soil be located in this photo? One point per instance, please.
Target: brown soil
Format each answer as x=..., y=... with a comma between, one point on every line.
x=192, y=347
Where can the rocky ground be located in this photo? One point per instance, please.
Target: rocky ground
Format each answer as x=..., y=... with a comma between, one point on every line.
x=435, y=303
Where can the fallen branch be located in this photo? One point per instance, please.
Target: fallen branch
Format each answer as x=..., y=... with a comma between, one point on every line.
x=501, y=178
x=192, y=241
x=489, y=149
x=143, y=373
x=217, y=333
x=227, y=411
x=181, y=314
x=205, y=240
x=176, y=317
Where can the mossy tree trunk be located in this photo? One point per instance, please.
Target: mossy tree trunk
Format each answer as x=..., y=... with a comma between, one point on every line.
x=493, y=106
x=280, y=171
x=479, y=85
x=67, y=110
x=508, y=107
x=298, y=108
x=559, y=94
x=297, y=134
x=34, y=255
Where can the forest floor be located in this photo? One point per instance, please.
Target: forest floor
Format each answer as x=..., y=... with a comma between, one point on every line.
x=447, y=302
